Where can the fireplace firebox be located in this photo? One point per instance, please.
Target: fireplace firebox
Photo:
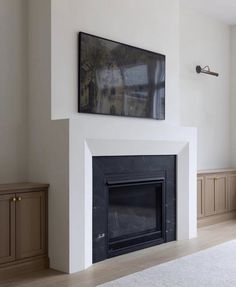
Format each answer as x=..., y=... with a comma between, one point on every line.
x=134, y=203
x=135, y=213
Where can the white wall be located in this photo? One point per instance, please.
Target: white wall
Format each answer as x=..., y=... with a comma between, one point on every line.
x=205, y=100
x=153, y=25
x=233, y=96
x=13, y=90
x=193, y=39
x=48, y=140
x=32, y=147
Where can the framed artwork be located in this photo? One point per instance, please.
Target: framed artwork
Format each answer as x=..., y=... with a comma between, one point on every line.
x=119, y=79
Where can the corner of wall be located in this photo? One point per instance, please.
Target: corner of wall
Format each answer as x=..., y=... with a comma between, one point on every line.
x=48, y=140
x=233, y=95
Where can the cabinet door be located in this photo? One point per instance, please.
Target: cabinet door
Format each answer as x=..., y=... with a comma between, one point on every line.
x=221, y=194
x=209, y=195
x=200, y=197
x=30, y=224
x=7, y=228
x=232, y=192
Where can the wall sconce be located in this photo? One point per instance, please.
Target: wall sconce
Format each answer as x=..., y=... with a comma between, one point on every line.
x=206, y=70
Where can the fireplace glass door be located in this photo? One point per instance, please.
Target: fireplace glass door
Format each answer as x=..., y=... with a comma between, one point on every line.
x=135, y=214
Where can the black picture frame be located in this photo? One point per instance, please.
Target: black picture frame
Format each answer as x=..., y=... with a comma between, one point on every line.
x=150, y=89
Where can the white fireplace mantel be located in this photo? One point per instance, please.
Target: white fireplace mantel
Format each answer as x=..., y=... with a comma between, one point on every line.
x=103, y=136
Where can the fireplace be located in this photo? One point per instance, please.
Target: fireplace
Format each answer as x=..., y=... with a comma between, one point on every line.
x=135, y=214
x=134, y=203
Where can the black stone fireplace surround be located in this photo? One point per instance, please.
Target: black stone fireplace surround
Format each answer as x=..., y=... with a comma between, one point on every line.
x=134, y=203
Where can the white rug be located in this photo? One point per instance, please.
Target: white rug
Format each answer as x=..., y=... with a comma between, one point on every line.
x=213, y=267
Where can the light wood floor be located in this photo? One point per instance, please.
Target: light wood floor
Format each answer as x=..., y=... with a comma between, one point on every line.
x=123, y=265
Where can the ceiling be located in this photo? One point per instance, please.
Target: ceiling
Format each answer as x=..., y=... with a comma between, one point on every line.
x=223, y=10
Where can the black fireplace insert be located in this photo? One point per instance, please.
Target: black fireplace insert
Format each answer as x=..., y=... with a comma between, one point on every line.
x=134, y=203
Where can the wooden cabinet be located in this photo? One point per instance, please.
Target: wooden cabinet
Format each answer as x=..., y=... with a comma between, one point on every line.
x=23, y=225
x=209, y=195
x=200, y=197
x=30, y=224
x=220, y=193
x=216, y=194
x=7, y=228
x=232, y=192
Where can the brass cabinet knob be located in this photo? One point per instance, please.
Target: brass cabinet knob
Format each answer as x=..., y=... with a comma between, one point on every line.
x=19, y=198
x=13, y=199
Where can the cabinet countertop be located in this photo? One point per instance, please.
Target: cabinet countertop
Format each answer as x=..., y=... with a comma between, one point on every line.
x=22, y=186
x=222, y=170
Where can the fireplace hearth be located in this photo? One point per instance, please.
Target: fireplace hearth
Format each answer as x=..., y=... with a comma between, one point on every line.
x=134, y=203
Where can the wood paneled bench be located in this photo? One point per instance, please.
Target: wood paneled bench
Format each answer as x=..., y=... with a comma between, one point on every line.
x=23, y=228
x=216, y=196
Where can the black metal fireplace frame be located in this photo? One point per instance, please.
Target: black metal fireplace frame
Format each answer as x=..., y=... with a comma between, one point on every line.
x=115, y=170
